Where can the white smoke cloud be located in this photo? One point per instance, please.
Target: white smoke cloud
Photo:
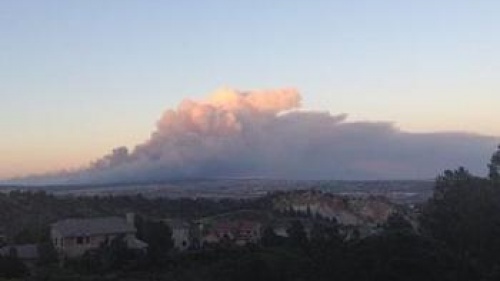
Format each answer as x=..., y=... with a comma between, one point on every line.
x=261, y=134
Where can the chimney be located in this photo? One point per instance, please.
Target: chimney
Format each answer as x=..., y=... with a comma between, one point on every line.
x=130, y=217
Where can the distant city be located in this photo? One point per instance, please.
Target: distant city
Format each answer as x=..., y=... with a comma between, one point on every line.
x=399, y=191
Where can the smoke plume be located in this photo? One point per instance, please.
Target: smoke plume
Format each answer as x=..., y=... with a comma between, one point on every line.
x=263, y=134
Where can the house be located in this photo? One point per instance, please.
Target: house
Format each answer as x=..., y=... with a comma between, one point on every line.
x=181, y=234
x=217, y=233
x=28, y=253
x=248, y=232
x=73, y=237
x=238, y=232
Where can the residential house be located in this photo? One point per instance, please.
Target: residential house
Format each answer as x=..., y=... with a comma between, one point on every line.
x=248, y=232
x=181, y=234
x=28, y=253
x=74, y=237
x=237, y=232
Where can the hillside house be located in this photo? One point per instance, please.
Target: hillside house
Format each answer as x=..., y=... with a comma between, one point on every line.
x=73, y=237
x=248, y=232
x=181, y=234
x=28, y=253
x=237, y=232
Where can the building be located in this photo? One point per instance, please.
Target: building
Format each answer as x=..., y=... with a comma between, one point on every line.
x=73, y=237
x=28, y=253
x=238, y=232
x=181, y=234
x=248, y=232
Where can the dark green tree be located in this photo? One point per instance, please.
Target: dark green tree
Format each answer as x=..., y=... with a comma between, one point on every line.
x=269, y=238
x=158, y=236
x=464, y=214
x=11, y=267
x=397, y=256
x=47, y=254
x=326, y=249
x=297, y=235
x=397, y=222
x=494, y=166
x=116, y=255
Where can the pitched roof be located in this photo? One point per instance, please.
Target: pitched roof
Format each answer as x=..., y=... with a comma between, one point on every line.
x=177, y=223
x=93, y=226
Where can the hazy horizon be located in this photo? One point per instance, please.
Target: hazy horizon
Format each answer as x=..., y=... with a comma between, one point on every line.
x=266, y=133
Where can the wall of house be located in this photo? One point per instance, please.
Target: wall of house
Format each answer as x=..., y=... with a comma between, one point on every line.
x=181, y=238
x=56, y=240
x=77, y=246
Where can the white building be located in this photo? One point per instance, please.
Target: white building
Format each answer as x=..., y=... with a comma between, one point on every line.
x=181, y=234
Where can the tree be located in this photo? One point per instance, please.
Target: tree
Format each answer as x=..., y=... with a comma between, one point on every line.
x=112, y=256
x=464, y=214
x=297, y=234
x=398, y=256
x=158, y=236
x=269, y=238
x=12, y=267
x=397, y=222
x=494, y=165
x=116, y=254
x=47, y=254
x=322, y=232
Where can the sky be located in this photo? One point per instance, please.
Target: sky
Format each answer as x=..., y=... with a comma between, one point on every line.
x=79, y=78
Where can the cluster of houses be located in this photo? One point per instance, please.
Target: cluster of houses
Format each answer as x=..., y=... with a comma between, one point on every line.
x=350, y=211
x=237, y=232
x=72, y=238
x=198, y=234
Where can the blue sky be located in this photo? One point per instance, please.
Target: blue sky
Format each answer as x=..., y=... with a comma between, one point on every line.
x=80, y=77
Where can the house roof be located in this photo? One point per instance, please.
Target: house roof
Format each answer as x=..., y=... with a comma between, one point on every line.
x=93, y=226
x=236, y=226
x=177, y=223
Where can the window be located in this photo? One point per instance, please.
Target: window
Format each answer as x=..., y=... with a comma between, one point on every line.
x=87, y=240
x=79, y=240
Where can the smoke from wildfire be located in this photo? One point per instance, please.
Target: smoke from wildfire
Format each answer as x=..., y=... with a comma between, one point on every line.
x=263, y=134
